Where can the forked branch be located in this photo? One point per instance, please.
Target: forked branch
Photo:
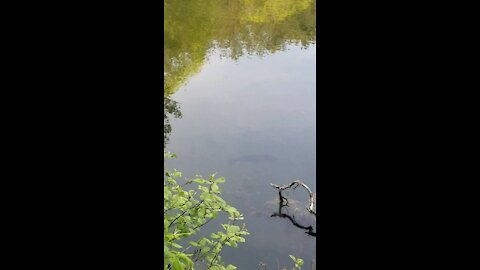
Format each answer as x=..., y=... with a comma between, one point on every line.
x=295, y=184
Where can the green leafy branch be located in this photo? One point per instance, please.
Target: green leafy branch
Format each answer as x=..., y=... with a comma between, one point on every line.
x=186, y=211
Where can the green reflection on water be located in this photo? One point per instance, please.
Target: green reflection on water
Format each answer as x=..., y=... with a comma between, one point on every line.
x=237, y=27
x=192, y=28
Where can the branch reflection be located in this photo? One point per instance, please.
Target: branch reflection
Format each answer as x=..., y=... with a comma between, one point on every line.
x=309, y=229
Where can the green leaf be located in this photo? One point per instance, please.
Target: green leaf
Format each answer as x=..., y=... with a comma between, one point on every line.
x=176, y=245
x=233, y=229
x=176, y=265
x=215, y=188
x=200, y=181
x=185, y=259
x=202, y=188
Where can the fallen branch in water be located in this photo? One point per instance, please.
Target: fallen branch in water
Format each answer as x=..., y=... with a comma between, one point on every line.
x=297, y=183
x=292, y=219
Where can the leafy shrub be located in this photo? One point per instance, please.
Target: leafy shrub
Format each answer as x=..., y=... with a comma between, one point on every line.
x=186, y=212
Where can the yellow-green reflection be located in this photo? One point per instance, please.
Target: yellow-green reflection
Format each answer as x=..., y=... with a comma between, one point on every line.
x=236, y=27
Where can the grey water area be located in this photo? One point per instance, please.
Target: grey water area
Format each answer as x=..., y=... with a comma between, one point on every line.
x=253, y=121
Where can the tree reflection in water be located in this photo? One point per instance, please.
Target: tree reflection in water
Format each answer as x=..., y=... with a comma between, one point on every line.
x=192, y=29
x=170, y=108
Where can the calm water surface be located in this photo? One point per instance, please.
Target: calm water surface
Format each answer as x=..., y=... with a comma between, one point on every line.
x=240, y=101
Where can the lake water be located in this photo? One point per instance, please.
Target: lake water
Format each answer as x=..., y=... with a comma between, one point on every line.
x=240, y=90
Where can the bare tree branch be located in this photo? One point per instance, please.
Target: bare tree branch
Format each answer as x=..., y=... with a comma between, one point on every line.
x=295, y=184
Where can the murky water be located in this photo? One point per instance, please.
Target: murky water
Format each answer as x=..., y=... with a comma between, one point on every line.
x=240, y=101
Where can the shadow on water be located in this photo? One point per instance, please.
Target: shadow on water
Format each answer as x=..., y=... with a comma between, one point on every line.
x=252, y=159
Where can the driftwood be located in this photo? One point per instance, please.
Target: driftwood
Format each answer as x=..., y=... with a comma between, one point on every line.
x=312, y=196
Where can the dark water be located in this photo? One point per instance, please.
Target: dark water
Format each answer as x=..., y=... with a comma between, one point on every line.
x=240, y=101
